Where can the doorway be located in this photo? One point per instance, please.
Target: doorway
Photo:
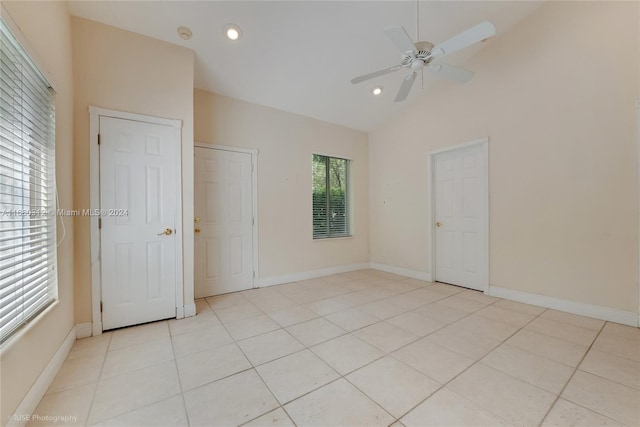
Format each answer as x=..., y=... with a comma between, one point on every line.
x=136, y=219
x=460, y=215
x=225, y=219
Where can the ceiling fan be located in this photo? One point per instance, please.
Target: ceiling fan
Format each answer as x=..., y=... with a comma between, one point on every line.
x=421, y=54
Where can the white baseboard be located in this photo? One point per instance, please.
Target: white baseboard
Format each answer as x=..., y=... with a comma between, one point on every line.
x=84, y=330
x=420, y=275
x=604, y=313
x=180, y=312
x=96, y=329
x=190, y=310
x=305, y=275
x=39, y=388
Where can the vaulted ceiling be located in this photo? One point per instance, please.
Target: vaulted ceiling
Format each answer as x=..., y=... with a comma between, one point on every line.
x=299, y=56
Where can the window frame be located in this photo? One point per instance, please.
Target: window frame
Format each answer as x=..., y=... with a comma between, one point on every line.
x=347, y=201
x=44, y=206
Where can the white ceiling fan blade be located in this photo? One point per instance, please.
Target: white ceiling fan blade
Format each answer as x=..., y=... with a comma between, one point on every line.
x=375, y=74
x=452, y=73
x=400, y=38
x=466, y=38
x=405, y=88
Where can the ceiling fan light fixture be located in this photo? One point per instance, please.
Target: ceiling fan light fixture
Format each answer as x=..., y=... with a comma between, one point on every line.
x=232, y=32
x=377, y=90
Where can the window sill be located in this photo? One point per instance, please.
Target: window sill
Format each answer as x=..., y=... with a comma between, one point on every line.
x=318, y=239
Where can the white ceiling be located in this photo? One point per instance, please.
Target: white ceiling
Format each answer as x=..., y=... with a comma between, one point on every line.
x=299, y=56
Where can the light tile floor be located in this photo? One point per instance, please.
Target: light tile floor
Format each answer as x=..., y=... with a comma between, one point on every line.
x=354, y=349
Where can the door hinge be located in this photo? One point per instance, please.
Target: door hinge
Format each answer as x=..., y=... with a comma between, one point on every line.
x=99, y=223
x=100, y=306
x=253, y=221
x=98, y=139
x=254, y=274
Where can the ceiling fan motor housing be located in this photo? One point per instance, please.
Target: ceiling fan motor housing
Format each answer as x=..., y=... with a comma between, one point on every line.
x=420, y=59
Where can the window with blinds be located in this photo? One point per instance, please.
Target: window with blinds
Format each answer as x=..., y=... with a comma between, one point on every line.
x=331, y=212
x=28, y=276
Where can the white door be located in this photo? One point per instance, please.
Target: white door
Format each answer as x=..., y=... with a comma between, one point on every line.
x=138, y=200
x=460, y=215
x=223, y=221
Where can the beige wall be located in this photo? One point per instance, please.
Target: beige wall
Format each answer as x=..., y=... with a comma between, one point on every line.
x=556, y=97
x=286, y=143
x=121, y=70
x=45, y=27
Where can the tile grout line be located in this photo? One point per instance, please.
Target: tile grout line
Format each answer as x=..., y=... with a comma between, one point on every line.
x=352, y=332
x=253, y=368
x=308, y=348
x=175, y=362
x=558, y=396
x=151, y=366
x=384, y=354
x=443, y=385
x=473, y=364
x=95, y=391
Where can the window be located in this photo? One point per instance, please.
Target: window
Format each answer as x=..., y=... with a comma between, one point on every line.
x=331, y=211
x=28, y=277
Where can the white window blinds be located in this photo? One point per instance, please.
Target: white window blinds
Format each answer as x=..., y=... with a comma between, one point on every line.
x=331, y=212
x=28, y=277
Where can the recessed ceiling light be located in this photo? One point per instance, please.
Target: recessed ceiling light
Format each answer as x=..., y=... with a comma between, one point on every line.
x=232, y=32
x=377, y=90
x=184, y=33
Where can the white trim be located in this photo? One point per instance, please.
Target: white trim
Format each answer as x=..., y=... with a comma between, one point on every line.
x=254, y=196
x=37, y=391
x=335, y=156
x=484, y=139
x=638, y=197
x=177, y=123
x=431, y=237
x=431, y=214
x=604, y=313
x=226, y=148
x=84, y=330
x=415, y=274
x=96, y=329
x=190, y=310
x=94, y=203
x=254, y=192
x=304, y=275
x=178, y=224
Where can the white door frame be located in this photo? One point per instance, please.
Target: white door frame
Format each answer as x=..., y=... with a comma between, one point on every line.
x=94, y=190
x=431, y=213
x=254, y=196
x=638, y=195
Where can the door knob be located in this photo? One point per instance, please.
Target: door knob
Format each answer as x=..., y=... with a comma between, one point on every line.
x=197, y=230
x=167, y=232
x=196, y=219
x=438, y=224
